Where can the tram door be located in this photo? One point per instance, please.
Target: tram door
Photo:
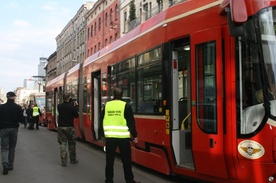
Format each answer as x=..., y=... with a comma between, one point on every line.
x=57, y=100
x=207, y=102
x=181, y=105
x=96, y=102
x=54, y=109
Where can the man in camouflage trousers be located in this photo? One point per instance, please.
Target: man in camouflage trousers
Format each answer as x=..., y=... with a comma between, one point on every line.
x=67, y=111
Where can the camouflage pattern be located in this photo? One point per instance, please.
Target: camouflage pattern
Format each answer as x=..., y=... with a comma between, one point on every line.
x=67, y=136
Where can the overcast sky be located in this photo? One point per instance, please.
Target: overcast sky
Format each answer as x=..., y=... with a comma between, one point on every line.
x=28, y=29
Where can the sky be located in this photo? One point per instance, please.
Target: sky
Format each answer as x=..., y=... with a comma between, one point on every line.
x=28, y=29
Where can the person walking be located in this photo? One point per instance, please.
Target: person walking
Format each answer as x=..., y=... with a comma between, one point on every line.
x=118, y=126
x=11, y=115
x=24, y=109
x=67, y=111
x=36, y=115
x=29, y=113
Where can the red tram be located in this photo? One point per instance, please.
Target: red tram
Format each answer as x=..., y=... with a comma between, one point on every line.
x=200, y=77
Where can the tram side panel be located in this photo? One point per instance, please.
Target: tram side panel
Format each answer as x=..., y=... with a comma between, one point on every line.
x=54, y=92
x=72, y=87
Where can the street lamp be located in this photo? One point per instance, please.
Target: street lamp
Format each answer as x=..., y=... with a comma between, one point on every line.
x=39, y=80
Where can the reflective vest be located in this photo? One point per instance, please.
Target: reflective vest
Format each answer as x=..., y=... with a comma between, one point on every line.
x=114, y=122
x=35, y=111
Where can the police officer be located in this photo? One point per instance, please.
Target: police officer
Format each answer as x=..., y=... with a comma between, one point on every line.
x=118, y=126
x=36, y=114
x=67, y=111
x=11, y=115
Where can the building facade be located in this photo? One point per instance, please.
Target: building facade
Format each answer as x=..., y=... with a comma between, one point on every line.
x=102, y=25
x=51, y=67
x=71, y=42
x=95, y=26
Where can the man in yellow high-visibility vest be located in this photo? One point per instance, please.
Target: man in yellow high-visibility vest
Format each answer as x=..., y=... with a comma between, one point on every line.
x=118, y=126
x=36, y=115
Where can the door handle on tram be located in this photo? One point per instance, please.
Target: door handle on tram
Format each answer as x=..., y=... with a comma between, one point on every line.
x=211, y=143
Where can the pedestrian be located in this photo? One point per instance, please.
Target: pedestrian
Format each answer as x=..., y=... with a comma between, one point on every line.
x=36, y=114
x=67, y=111
x=118, y=126
x=24, y=108
x=11, y=115
x=29, y=112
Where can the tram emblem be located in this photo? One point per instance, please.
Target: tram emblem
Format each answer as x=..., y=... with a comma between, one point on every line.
x=251, y=149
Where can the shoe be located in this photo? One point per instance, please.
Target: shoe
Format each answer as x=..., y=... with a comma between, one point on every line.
x=10, y=168
x=5, y=170
x=106, y=181
x=63, y=164
x=75, y=161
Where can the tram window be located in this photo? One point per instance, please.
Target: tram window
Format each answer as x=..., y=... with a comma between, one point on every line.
x=104, y=85
x=126, y=65
x=74, y=90
x=85, y=103
x=49, y=101
x=60, y=95
x=206, y=90
x=126, y=81
x=68, y=88
x=254, y=74
x=113, y=70
x=150, y=89
x=151, y=56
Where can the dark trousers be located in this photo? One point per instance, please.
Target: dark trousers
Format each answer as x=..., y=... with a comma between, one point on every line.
x=31, y=123
x=25, y=121
x=8, y=143
x=125, y=153
x=36, y=121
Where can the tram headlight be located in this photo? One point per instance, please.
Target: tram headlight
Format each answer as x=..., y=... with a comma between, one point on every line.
x=270, y=179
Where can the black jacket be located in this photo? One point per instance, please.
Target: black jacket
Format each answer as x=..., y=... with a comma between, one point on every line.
x=29, y=113
x=11, y=115
x=66, y=114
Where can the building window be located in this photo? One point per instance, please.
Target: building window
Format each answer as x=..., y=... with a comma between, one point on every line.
x=116, y=12
x=125, y=21
x=106, y=19
x=110, y=39
x=111, y=18
x=100, y=22
x=95, y=28
x=91, y=30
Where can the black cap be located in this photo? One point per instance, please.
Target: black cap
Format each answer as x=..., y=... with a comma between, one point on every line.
x=11, y=94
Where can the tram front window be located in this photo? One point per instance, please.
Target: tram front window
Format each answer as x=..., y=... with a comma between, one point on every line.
x=256, y=90
x=267, y=21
